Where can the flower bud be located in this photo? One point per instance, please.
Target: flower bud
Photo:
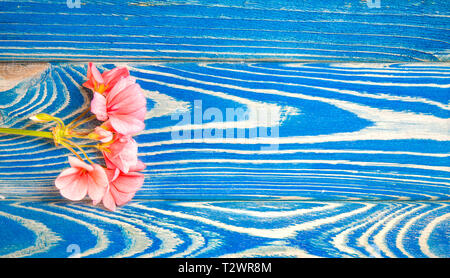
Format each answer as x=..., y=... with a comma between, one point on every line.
x=101, y=134
x=42, y=118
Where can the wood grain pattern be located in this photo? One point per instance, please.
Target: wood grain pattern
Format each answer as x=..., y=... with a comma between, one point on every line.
x=355, y=162
x=257, y=30
x=226, y=229
x=346, y=131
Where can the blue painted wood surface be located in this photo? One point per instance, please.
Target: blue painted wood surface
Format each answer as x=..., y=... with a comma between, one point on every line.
x=378, y=134
x=355, y=162
x=361, y=168
x=226, y=229
x=337, y=30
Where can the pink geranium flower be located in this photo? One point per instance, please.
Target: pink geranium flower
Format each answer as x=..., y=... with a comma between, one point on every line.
x=81, y=179
x=103, y=83
x=124, y=106
x=123, y=187
x=121, y=153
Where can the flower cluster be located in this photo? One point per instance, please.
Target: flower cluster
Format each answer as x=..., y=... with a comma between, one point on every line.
x=120, y=105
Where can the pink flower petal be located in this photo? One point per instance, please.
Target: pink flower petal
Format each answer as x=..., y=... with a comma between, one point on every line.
x=129, y=183
x=108, y=201
x=113, y=76
x=97, y=183
x=110, y=164
x=76, y=163
x=99, y=175
x=122, y=187
x=138, y=167
x=126, y=125
x=94, y=74
x=127, y=148
x=130, y=98
x=120, y=86
x=122, y=154
x=140, y=114
x=81, y=179
x=98, y=107
x=125, y=105
x=67, y=177
x=76, y=190
x=121, y=198
x=114, y=174
x=107, y=126
x=89, y=84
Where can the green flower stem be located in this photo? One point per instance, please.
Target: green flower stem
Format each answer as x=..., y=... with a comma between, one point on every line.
x=17, y=131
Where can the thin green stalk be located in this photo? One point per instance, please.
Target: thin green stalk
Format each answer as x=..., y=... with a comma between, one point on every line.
x=79, y=148
x=82, y=122
x=79, y=117
x=35, y=133
x=67, y=146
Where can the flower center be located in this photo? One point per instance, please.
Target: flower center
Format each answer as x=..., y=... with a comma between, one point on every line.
x=100, y=88
x=58, y=134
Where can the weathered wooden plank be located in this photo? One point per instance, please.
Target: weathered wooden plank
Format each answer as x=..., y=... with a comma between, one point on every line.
x=226, y=229
x=335, y=131
x=338, y=30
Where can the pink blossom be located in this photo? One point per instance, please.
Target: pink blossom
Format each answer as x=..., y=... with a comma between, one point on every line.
x=122, y=186
x=121, y=153
x=103, y=83
x=81, y=179
x=124, y=106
